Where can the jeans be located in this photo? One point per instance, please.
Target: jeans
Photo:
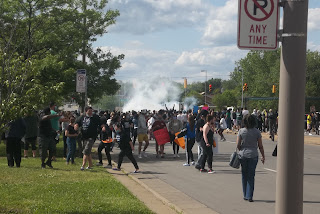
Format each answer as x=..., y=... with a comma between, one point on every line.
x=248, y=171
x=71, y=143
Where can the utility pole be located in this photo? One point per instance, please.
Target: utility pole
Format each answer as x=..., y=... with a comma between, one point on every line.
x=84, y=47
x=241, y=89
x=289, y=193
x=205, y=88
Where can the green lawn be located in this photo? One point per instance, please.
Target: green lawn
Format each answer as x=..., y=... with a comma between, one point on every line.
x=64, y=189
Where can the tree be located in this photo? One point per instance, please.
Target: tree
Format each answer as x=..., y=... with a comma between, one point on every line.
x=40, y=41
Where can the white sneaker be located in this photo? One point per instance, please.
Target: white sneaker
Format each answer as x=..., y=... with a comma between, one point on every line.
x=193, y=163
x=310, y=134
x=140, y=156
x=144, y=154
x=178, y=156
x=186, y=164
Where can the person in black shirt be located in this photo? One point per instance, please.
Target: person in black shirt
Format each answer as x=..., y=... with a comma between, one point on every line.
x=71, y=135
x=126, y=147
x=105, y=136
x=46, y=137
x=90, y=124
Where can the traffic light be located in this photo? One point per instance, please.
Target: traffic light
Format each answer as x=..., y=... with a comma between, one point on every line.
x=273, y=89
x=210, y=87
x=245, y=87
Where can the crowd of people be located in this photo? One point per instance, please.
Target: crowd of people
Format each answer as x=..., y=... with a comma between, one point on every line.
x=122, y=130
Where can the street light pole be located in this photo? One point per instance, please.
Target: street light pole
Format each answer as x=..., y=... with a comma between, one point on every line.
x=242, y=89
x=205, y=88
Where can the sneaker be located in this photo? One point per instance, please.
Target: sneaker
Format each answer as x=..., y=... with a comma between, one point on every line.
x=174, y=156
x=186, y=164
x=136, y=171
x=203, y=170
x=43, y=166
x=116, y=169
x=49, y=165
x=89, y=168
x=193, y=163
x=178, y=156
x=108, y=166
x=310, y=134
x=99, y=164
x=144, y=154
x=82, y=168
x=197, y=167
x=211, y=171
x=140, y=156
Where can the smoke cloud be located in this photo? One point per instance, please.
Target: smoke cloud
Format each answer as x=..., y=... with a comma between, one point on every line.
x=153, y=94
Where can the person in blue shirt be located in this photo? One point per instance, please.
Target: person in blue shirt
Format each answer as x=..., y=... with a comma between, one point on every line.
x=190, y=133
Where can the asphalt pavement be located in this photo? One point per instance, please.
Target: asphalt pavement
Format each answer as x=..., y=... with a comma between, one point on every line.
x=187, y=190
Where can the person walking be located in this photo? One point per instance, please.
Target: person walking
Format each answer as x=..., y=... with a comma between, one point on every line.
x=126, y=147
x=223, y=126
x=199, y=135
x=105, y=136
x=207, y=143
x=142, y=133
x=17, y=129
x=174, y=126
x=248, y=141
x=71, y=134
x=190, y=133
x=46, y=137
x=31, y=135
x=90, y=124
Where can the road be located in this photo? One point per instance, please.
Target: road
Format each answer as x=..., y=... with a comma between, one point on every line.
x=222, y=191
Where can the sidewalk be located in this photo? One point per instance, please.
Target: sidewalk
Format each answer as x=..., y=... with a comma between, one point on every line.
x=157, y=195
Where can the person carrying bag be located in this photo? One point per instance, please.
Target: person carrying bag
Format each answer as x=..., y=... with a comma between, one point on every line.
x=248, y=141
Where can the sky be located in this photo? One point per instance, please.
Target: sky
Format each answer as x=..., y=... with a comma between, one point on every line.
x=180, y=38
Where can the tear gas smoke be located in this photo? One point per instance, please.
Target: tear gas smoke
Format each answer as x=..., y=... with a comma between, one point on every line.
x=153, y=94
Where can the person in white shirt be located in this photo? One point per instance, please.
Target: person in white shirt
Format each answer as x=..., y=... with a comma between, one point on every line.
x=223, y=126
x=245, y=112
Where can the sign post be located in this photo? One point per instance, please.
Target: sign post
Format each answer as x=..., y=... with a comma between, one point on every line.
x=258, y=24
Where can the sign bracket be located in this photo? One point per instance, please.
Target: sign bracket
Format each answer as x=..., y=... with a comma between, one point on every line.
x=282, y=2
x=282, y=35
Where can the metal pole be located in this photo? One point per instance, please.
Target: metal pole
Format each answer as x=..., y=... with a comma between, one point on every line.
x=242, y=90
x=289, y=193
x=205, y=101
x=205, y=88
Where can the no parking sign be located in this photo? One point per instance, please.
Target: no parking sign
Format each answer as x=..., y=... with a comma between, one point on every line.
x=258, y=24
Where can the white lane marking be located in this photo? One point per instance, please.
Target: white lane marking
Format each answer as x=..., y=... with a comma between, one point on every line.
x=270, y=170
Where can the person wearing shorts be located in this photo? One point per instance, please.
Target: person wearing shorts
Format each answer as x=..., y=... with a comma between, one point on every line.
x=90, y=124
x=142, y=133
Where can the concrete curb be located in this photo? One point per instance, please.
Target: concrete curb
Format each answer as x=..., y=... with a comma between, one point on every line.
x=161, y=198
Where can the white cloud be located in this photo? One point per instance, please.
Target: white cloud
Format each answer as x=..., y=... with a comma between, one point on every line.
x=146, y=16
x=314, y=19
x=221, y=28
